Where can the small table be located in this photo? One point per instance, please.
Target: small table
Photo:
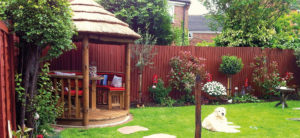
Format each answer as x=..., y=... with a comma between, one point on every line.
x=284, y=93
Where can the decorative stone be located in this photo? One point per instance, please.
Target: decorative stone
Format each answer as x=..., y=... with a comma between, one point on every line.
x=297, y=108
x=160, y=135
x=295, y=119
x=131, y=129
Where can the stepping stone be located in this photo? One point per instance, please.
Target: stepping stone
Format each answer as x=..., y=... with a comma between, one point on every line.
x=131, y=129
x=295, y=119
x=160, y=135
x=297, y=108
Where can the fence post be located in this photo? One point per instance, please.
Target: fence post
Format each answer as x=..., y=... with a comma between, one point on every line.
x=198, y=107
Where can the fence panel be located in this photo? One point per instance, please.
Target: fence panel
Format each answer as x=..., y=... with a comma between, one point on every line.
x=7, y=93
x=111, y=58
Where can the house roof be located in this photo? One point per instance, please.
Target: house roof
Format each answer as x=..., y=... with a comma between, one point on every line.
x=199, y=23
x=185, y=1
x=90, y=17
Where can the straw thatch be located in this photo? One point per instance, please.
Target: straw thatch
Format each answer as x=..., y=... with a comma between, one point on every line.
x=90, y=17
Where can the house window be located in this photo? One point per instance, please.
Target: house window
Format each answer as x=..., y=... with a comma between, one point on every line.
x=171, y=10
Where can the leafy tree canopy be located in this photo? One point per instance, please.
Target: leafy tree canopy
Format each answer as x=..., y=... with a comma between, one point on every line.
x=146, y=15
x=247, y=22
x=38, y=24
x=41, y=23
x=296, y=5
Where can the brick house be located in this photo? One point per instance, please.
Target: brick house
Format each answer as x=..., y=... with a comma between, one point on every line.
x=199, y=30
x=178, y=9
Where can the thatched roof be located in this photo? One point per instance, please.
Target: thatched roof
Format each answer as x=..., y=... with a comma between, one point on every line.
x=90, y=17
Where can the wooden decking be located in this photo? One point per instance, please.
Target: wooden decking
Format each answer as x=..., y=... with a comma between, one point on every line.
x=99, y=116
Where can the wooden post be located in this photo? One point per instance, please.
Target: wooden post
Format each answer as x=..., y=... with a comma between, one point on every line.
x=85, y=72
x=93, y=95
x=198, y=110
x=127, y=82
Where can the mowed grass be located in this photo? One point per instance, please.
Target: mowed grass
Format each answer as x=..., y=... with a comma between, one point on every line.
x=257, y=120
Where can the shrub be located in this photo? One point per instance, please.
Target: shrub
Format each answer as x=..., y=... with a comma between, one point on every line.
x=266, y=78
x=214, y=88
x=205, y=43
x=247, y=98
x=46, y=103
x=231, y=65
x=184, y=69
x=177, y=34
x=161, y=94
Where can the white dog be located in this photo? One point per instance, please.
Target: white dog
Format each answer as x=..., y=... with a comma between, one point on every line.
x=217, y=121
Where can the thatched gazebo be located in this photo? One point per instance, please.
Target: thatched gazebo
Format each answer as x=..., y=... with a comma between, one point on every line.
x=94, y=23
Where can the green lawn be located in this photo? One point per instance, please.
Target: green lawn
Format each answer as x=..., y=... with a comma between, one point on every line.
x=256, y=120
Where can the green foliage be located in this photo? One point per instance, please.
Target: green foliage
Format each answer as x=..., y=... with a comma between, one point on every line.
x=297, y=55
x=177, y=32
x=184, y=69
x=20, y=133
x=231, y=65
x=142, y=14
x=287, y=29
x=46, y=103
x=296, y=5
x=19, y=89
x=265, y=77
x=261, y=37
x=247, y=98
x=3, y=4
x=247, y=23
x=42, y=23
x=205, y=43
x=161, y=94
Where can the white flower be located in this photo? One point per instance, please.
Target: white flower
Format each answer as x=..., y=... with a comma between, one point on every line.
x=214, y=88
x=36, y=116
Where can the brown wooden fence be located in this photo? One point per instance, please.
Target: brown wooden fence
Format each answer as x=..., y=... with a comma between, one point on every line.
x=111, y=58
x=7, y=92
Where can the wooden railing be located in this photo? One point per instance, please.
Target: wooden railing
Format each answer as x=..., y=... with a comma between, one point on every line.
x=73, y=92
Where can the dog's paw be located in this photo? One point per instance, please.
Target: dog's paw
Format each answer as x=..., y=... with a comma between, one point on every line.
x=235, y=126
x=229, y=123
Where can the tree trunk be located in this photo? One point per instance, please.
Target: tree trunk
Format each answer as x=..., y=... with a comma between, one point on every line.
x=140, y=86
x=28, y=67
x=229, y=81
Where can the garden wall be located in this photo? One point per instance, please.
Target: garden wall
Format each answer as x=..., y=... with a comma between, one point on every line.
x=7, y=92
x=111, y=58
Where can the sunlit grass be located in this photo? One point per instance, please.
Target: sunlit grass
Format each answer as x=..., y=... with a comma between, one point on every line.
x=257, y=120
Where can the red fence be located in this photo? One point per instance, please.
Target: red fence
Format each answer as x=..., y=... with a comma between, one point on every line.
x=7, y=98
x=111, y=58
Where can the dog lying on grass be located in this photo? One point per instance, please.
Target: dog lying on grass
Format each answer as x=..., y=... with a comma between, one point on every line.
x=217, y=121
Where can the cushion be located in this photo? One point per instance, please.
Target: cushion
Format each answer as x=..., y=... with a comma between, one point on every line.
x=73, y=92
x=111, y=88
x=64, y=74
x=104, y=81
x=116, y=82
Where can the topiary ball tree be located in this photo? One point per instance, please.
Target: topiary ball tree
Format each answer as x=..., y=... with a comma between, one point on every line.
x=230, y=65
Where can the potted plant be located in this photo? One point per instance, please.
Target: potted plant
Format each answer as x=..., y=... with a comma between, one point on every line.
x=230, y=65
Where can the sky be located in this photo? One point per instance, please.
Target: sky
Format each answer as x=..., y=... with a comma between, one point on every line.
x=197, y=8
